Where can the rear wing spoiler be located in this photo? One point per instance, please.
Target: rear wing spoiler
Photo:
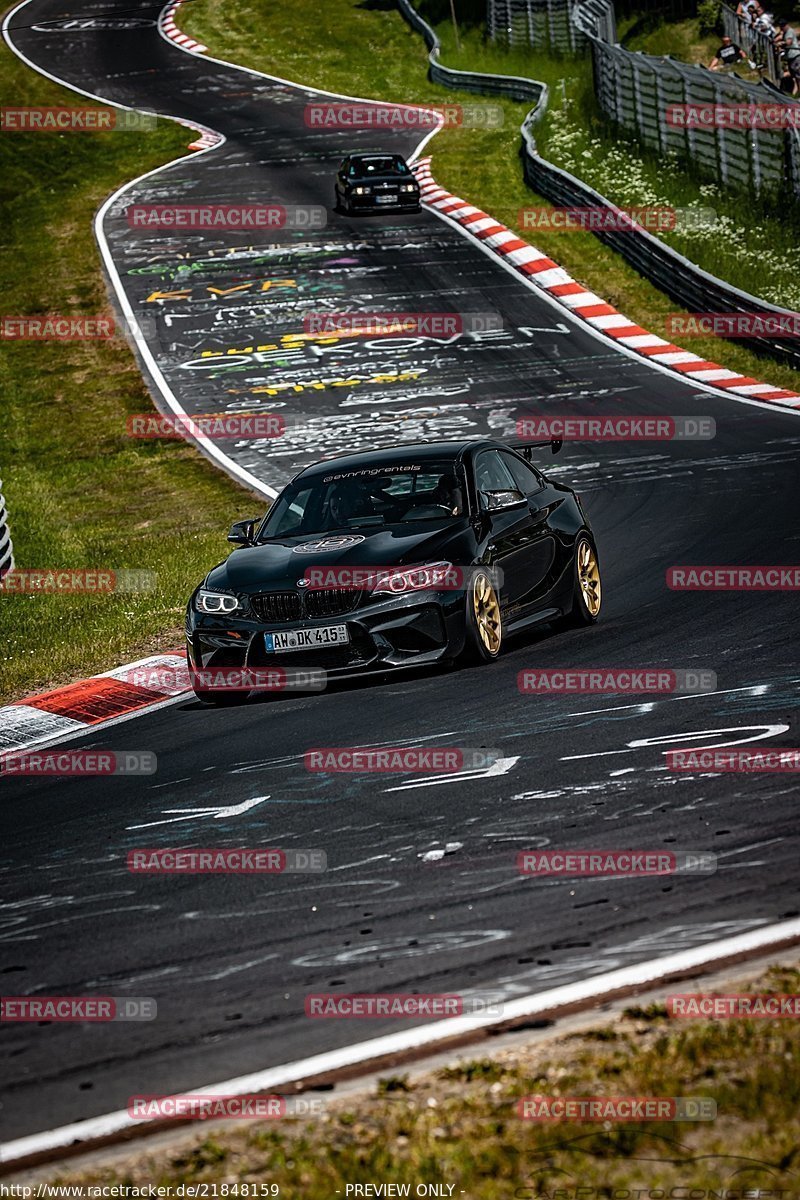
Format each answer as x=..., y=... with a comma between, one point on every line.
x=526, y=448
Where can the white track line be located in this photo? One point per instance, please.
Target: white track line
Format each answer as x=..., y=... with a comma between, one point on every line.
x=641, y=976
x=563, y=310
x=203, y=443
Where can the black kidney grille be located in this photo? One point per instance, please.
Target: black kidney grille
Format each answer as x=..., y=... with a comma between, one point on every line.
x=276, y=606
x=331, y=602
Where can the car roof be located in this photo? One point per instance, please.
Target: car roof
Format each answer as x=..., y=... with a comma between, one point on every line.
x=362, y=155
x=388, y=456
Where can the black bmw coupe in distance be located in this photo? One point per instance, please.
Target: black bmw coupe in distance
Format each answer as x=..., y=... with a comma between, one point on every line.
x=397, y=558
x=374, y=182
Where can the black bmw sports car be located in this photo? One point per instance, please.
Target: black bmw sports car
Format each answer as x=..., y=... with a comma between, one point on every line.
x=396, y=558
x=372, y=182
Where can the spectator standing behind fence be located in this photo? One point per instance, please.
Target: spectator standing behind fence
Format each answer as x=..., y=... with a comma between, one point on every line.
x=728, y=55
x=787, y=83
x=788, y=43
x=746, y=11
x=764, y=22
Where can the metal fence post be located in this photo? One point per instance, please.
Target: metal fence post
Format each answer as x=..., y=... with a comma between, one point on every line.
x=6, y=548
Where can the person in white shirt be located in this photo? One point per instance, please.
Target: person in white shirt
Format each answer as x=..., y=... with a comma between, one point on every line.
x=764, y=22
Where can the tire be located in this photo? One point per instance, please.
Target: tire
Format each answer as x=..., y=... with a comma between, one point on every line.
x=587, y=588
x=484, y=624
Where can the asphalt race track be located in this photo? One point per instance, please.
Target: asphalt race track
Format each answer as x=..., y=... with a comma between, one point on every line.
x=229, y=959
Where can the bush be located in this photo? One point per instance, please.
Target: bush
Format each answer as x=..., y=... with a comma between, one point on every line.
x=708, y=13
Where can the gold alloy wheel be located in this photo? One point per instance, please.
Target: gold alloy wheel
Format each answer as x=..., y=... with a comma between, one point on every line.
x=589, y=577
x=486, y=608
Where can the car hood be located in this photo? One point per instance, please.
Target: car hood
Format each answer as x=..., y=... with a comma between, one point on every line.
x=279, y=563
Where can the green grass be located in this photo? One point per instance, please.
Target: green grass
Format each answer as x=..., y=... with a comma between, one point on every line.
x=459, y=1125
x=367, y=49
x=682, y=40
x=79, y=492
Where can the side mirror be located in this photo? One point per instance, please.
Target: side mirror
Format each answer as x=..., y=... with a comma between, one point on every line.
x=241, y=533
x=502, y=499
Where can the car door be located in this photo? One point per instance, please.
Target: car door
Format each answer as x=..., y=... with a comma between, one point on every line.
x=542, y=548
x=341, y=176
x=512, y=531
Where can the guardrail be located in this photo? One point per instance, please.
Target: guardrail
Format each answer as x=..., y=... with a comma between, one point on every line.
x=6, y=549
x=648, y=96
x=683, y=281
x=546, y=24
x=758, y=46
x=642, y=93
x=514, y=86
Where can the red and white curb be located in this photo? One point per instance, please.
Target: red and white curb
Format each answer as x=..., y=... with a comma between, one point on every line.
x=79, y=706
x=168, y=27
x=553, y=279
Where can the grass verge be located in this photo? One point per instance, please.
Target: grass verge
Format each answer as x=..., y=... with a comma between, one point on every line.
x=459, y=1126
x=80, y=494
x=367, y=49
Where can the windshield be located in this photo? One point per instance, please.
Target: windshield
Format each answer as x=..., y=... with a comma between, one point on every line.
x=366, y=498
x=387, y=165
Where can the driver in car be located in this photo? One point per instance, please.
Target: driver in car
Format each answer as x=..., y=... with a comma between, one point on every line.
x=346, y=501
x=447, y=494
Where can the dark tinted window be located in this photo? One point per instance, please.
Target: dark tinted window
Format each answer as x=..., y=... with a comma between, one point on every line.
x=367, y=496
x=526, y=477
x=492, y=475
x=389, y=164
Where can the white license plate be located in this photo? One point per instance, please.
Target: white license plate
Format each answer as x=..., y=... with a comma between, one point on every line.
x=386, y=199
x=306, y=639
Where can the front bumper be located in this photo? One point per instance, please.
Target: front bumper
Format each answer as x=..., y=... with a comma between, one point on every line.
x=408, y=202
x=415, y=630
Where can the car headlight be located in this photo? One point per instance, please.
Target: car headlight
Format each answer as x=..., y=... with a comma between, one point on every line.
x=408, y=187
x=216, y=602
x=361, y=191
x=416, y=579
